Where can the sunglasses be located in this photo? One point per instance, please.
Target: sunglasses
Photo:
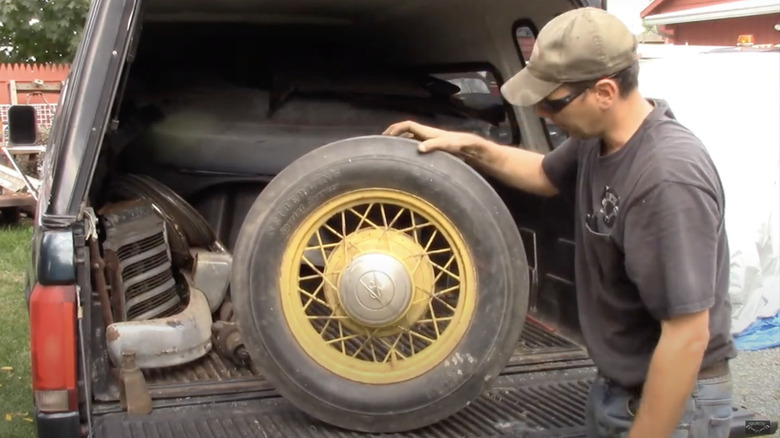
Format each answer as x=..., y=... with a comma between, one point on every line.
x=554, y=106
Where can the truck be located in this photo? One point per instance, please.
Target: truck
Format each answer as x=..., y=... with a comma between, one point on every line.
x=225, y=245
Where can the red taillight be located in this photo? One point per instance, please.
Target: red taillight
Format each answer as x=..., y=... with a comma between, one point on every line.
x=53, y=347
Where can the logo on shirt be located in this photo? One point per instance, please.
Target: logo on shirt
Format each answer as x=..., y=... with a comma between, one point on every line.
x=610, y=205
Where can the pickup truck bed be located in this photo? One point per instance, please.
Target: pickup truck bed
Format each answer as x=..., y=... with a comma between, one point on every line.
x=540, y=393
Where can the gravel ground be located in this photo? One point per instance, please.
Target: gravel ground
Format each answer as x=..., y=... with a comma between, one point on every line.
x=756, y=377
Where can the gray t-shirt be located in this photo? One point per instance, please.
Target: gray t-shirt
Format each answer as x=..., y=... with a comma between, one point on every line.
x=651, y=242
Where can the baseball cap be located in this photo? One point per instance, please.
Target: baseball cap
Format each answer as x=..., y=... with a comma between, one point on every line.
x=579, y=45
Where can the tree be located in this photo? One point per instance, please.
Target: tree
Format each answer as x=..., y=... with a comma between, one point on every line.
x=41, y=30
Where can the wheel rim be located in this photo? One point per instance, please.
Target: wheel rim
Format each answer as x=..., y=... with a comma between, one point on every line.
x=377, y=286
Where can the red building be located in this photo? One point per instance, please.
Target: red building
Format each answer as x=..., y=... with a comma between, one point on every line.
x=715, y=22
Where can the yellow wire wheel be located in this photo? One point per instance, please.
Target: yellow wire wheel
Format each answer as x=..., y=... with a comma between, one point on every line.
x=379, y=289
x=378, y=286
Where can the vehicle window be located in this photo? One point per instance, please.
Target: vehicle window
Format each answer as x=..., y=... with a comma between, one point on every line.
x=480, y=96
x=525, y=38
x=525, y=41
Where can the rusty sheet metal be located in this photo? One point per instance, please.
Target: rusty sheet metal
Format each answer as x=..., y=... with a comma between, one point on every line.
x=164, y=342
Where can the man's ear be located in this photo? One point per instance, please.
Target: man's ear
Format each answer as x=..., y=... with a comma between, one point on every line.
x=607, y=92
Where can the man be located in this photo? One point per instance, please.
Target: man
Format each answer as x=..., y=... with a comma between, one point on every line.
x=652, y=255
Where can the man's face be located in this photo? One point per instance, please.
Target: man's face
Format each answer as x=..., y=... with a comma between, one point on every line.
x=574, y=111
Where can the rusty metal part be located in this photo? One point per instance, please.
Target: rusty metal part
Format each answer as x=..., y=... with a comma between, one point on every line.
x=133, y=393
x=226, y=310
x=168, y=341
x=211, y=274
x=138, y=256
x=114, y=280
x=98, y=269
x=228, y=343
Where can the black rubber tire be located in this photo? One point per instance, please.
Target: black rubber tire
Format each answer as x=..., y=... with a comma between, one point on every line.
x=460, y=194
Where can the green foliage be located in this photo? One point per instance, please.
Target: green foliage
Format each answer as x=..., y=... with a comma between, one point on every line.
x=53, y=35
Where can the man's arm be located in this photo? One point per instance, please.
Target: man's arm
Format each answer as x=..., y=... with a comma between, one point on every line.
x=672, y=374
x=513, y=166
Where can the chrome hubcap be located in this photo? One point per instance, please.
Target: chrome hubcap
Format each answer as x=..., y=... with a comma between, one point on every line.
x=375, y=290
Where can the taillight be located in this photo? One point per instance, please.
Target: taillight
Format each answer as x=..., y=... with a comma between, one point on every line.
x=53, y=347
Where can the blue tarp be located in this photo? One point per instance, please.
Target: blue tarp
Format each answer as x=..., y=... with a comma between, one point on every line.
x=763, y=333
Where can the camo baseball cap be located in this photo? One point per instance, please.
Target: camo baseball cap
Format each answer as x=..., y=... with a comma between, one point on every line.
x=579, y=45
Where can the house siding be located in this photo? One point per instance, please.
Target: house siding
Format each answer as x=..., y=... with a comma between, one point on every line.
x=725, y=32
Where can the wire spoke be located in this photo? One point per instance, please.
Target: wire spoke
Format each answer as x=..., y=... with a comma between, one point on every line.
x=434, y=319
x=311, y=265
x=322, y=247
x=446, y=291
x=326, y=317
x=364, y=217
x=445, y=269
x=397, y=216
x=335, y=233
x=430, y=321
x=414, y=227
x=373, y=351
x=325, y=327
x=344, y=230
x=446, y=304
x=313, y=296
x=369, y=340
x=342, y=339
x=425, y=250
x=419, y=335
x=384, y=215
x=392, y=348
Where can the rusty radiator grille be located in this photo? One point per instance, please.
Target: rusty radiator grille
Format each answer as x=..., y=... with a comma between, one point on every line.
x=142, y=246
x=145, y=265
x=163, y=303
x=154, y=282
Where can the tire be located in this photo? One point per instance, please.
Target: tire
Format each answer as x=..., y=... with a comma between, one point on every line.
x=186, y=227
x=389, y=385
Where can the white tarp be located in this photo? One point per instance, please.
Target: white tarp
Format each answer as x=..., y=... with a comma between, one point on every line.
x=732, y=102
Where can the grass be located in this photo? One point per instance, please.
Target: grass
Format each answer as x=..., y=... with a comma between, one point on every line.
x=15, y=384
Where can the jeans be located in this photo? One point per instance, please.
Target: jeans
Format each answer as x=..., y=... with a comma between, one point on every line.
x=610, y=410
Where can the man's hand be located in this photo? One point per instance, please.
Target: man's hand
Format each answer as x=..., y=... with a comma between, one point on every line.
x=461, y=144
x=514, y=166
x=672, y=374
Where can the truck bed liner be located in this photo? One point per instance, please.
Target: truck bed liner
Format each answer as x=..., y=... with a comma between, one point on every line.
x=540, y=393
x=546, y=403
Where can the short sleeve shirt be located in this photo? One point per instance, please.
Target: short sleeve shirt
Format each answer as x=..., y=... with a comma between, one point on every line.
x=651, y=242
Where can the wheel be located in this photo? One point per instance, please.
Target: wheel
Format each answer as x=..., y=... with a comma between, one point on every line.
x=378, y=289
x=185, y=226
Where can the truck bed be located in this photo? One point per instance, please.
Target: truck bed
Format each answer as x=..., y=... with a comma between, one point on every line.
x=540, y=393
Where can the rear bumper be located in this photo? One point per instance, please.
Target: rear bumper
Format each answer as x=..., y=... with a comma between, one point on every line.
x=60, y=425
